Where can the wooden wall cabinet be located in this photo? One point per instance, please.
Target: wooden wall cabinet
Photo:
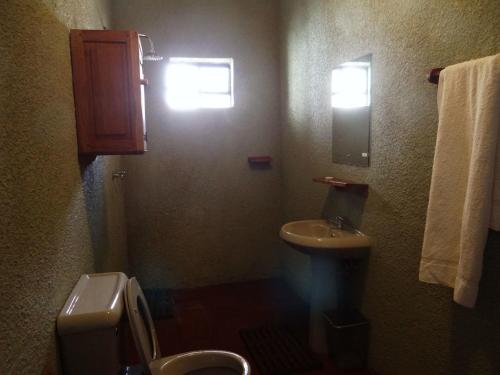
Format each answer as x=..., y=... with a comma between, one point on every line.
x=108, y=87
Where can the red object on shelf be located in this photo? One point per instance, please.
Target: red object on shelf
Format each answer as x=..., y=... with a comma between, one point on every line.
x=260, y=159
x=342, y=184
x=433, y=76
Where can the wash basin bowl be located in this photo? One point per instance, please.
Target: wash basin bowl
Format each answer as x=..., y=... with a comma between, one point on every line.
x=318, y=237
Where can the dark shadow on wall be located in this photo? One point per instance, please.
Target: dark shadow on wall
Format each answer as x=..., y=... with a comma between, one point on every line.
x=476, y=332
x=92, y=171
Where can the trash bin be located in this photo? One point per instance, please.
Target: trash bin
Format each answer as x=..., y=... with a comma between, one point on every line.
x=347, y=338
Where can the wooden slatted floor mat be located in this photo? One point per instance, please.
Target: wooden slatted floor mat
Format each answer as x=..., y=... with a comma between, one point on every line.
x=277, y=352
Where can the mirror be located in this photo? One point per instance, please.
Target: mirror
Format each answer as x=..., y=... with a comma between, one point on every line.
x=351, y=107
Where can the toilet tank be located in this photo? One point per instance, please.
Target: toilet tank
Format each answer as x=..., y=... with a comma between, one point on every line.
x=89, y=325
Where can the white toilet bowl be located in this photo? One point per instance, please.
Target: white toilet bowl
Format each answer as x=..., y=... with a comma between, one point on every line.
x=204, y=362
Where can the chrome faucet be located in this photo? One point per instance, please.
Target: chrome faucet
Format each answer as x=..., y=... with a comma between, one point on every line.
x=340, y=222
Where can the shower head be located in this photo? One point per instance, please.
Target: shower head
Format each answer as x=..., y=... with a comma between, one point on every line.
x=151, y=55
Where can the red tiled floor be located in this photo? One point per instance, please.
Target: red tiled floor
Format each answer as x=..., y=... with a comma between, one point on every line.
x=211, y=318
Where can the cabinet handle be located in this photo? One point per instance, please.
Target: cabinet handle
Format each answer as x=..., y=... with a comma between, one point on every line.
x=145, y=81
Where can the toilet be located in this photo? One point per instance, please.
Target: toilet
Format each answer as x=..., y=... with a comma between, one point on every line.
x=90, y=328
x=203, y=362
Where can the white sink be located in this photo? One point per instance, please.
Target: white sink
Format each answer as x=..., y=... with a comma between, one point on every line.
x=328, y=248
x=320, y=237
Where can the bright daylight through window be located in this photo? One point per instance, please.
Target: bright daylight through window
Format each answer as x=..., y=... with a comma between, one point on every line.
x=194, y=83
x=351, y=85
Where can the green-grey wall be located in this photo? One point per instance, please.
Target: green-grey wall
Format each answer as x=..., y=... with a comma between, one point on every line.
x=58, y=219
x=61, y=219
x=196, y=213
x=416, y=328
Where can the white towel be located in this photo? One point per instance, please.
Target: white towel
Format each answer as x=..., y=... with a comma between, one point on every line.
x=463, y=190
x=495, y=210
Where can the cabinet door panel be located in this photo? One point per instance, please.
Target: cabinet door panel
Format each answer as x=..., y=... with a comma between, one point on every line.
x=106, y=79
x=110, y=104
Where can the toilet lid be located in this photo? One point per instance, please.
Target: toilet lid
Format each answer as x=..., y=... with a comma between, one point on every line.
x=141, y=324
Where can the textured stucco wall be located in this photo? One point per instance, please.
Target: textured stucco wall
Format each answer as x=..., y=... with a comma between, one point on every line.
x=58, y=219
x=196, y=213
x=416, y=328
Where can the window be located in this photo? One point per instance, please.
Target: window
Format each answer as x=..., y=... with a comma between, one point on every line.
x=194, y=83
x=351, y=85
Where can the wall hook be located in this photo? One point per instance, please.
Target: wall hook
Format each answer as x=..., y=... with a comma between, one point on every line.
x=121, y=174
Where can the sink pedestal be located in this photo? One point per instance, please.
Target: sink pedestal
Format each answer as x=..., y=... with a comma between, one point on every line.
x=324, y=296
x=332, y=288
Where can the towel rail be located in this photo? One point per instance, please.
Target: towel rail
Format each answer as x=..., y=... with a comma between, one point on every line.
x=433, y=76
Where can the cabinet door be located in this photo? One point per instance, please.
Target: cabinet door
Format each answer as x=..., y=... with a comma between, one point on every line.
x=107, y=90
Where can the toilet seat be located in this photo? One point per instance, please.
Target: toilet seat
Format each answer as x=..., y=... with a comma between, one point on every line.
x=146, y=342
x=184, y=363
x=141, y=323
